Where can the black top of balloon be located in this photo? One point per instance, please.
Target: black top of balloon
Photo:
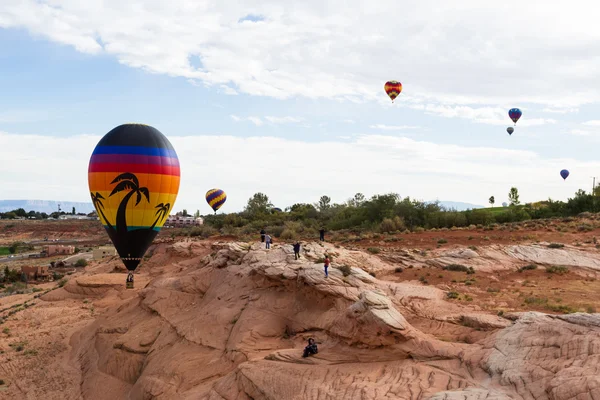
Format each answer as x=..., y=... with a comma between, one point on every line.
x=135, y=135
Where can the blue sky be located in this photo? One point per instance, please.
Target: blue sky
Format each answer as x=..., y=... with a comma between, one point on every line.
x=290, y=100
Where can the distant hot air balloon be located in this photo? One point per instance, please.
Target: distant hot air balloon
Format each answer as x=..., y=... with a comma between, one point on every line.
x=514, y=114
x=510, y=130
x=133, y=176
x=564, y=173
x=393, y=89
x=504, y=204
x=215, y=198
x=276, y=209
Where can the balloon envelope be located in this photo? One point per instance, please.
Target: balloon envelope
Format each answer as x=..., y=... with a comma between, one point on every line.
x=514, y=114
x=215, y=198
x=564, y=173
x=510, y=130
x=393, y=89
x=133, y=177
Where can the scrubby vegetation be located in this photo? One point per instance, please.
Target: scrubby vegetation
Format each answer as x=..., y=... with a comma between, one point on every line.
x=387, y=213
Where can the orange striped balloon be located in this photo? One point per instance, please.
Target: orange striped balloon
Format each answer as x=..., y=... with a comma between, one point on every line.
x=393, y=89
x=133, y=177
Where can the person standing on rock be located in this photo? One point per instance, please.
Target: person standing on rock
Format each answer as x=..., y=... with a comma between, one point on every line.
x=262, y=235
x=327, y=262
x=296, y=250
x=322, y=234
x=268, y=241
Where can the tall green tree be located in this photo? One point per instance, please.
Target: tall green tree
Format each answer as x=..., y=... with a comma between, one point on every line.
x=258, y=204
x=324, y=203
x=492, y=200
x=513, y=196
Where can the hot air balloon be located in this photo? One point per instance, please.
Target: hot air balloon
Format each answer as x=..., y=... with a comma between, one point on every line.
x=564, y=173
x=133, y=176
x=510, y=130
x=215, y=198
x=504, y=204
x=514, y=114
x=393, y=89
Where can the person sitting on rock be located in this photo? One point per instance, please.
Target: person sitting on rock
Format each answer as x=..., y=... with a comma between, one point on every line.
x=297, y=250
x=311, y=348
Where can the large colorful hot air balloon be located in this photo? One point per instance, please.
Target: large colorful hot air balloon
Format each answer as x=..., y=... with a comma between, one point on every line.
x=510, y=130
x=215, y=198
x=514, y=114
x=133, y=178
x=564, y=173
x=393, y=89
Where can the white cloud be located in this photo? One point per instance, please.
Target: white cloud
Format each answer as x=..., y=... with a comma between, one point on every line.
x=292, y=171
x=349, y=121
x=393, y=127
x=229, y=90
x=283, y=120
x=319, y=48
x=579, y=132
x=483, y=115
x=255, y=120
x=592, y=123
x=565, y=110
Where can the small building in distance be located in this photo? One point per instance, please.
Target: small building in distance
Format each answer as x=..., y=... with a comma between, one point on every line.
x=36, y=273
x=181, y=221
x=104, y=251
x=57, y=249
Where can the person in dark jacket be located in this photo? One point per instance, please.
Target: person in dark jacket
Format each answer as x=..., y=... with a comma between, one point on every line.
x=296, y=250
x=311, y=348
x=262, y=235
x=322, y=234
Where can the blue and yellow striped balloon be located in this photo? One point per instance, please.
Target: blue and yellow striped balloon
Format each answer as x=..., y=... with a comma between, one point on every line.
x=215, y=198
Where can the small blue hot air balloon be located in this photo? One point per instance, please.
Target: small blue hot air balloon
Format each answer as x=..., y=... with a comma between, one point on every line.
x=510, y=130
x=514, y=114
x=564, y=173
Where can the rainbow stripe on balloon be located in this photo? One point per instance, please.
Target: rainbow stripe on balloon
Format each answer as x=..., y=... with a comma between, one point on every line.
x=215, y=198
x=134, y=178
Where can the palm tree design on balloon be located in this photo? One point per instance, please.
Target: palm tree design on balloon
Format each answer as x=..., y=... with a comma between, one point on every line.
x=161, y=213
x=127, y=181
x=97, y=200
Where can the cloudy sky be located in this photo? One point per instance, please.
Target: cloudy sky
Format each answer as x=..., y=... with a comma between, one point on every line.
x=286, y=97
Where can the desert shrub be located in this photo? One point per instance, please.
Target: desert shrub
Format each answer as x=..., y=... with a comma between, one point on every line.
x=62, y=282
x=556, y=245
x=81, y=262
x=457, y=267
x=528, y=267
x=346, y=270
x=398, y=269
x=557, y=269
x=442, y=241
x=493, y=290
x=204, y=231
x=374, y=250
x=288, y=234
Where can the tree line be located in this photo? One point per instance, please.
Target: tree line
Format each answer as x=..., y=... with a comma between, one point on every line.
x=385, y=213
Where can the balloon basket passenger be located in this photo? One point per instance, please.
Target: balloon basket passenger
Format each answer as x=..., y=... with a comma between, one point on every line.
x=129, y=283
x=311, y=348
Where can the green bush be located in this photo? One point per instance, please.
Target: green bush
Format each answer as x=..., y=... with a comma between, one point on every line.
x=453, y=295
x=81, y=263
x=556, y=245
x=374, y=250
